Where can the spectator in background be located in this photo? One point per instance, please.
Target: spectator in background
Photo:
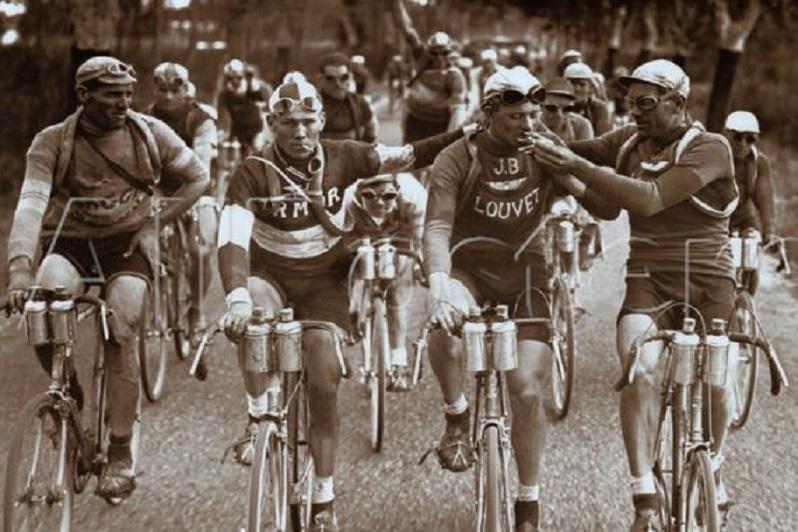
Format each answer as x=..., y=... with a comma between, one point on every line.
x=597, y=111
x=348, y=114
x=240, y=102
x=360, y=74
x=616, y=96
x=568, y=57
x=558, y=113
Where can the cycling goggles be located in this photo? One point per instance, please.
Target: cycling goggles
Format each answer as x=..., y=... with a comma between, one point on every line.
x=287, y=105
x=750, y=138
x=512, y=97
x=647, y=102
x=553, y=108
x=372, y=195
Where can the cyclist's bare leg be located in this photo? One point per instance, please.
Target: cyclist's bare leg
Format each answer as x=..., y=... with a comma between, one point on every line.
x=125, y=295
x=323, y=377
x=527, y=386
x=639, y=400
x=399, y=300
x=268, y=297
x=201, y=250
x=446, y=353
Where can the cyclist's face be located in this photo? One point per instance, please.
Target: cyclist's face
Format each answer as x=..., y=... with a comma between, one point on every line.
x=169, y=95
x=741, y=143
x=379, y=199
x=658, y=121
x=554, y=113
x=107, y=105
x=336, y=81
x=439, y=57
x=297, y=132
x=513, y=124
x=582, y=90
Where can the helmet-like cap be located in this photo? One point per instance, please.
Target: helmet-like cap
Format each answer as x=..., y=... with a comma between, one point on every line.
x=560, y=87
x=662, y=73
x=439, y=39
x=517, y=78
x=234, y=67
x=295, y=94
x=578, y=71
x=743, y=122
x=171, y=73
x=489, y=54
x=105, y=69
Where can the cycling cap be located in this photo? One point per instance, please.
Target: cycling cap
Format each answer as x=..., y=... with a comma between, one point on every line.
x=516, y=79
x=489, y=54
x=292, y=95
x=358, y=60
x=578, y=71
x=560, y=87
x=662, y=73
x=105, y=69
x=294, y=76
x=234, y=68
x=171, y=73
x=742, y=121
x=464, y=62
x=439, y=39
x=374, y=180
x=335, y=59
x=571, y=53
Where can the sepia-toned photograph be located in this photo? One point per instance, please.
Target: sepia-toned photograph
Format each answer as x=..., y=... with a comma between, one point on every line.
x=398, y=265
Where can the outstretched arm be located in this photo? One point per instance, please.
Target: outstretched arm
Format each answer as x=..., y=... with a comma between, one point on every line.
x=763, y=197
x=405, y=24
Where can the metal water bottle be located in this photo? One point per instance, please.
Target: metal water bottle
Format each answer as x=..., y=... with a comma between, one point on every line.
x=736, y=244
x=750, y=252
x=366, y=259
x=717, y=354
x=288, y=341
x=565, y=236
x=386, y=254
x=255, y=345
x=63, y=318
x=683, y=349
x=474, y=330
x=504, y=344
x=36, y=327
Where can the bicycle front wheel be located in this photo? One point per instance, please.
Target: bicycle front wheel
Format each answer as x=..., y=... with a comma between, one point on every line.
x=663, y=466
x=152, y=346
x=563, y=344
x=38, y=488
x=268, y=482
x=381, y=350
x=179, y=301
x=744, y=321
x=302, y=468
x=701, y=508
x=491, y=501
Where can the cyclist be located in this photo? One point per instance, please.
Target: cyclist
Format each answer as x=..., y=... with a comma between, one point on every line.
x=484, y=185
x=96, y=172
x=276, y=252
x=568, y=57
x=489, y=65
x=240, y=102
x=378, y=207
x=197, y=128
x=677, y=182
x=756, y=210
x=348, y=114
x=587, y=104
x=436, y=98
x=397, y=79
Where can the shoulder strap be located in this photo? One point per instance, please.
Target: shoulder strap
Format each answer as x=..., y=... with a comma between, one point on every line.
x=152, y=146
x=625, y=150
x=121, y=170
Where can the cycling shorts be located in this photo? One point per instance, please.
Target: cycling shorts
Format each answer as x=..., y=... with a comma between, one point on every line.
x=650, y=294
x=100, y=260
x=522, y=287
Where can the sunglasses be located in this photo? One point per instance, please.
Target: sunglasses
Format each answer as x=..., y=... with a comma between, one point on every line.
x=286, y=105
x=343, y=78
x=371, y=195
x=552, y=108
x=750, y=138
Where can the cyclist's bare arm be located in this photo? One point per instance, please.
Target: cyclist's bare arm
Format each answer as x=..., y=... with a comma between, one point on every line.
x=405, y=24
x=371, y=127
x=447, y=176
x=763, y=197
x=414, y=155
x=458, y=111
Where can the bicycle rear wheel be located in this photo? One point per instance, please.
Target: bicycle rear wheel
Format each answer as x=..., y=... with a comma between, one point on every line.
x=302, y=469
x=380, y=351
x=152, y=344
x=38, y=485
x=744, y=321
x=563, y=345
x=699, y=494
x=179, y=300
x=268, y=482
x=663, y=466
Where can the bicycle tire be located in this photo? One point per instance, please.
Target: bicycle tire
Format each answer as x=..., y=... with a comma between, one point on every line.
x=563, y=345
x=381, y=350
x=268, y=482
x=491, y=519
x=663, y=466
x=701, y=508
x=179, y=294
x=152, y=344
x=302, y=467
x=35, y=416
x=744, y=321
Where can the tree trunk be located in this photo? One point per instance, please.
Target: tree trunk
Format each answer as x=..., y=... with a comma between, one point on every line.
x=651, y=32
x=614, y=45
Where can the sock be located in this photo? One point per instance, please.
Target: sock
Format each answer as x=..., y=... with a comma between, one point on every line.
x=399, y=356
x=643, y=485
x=459, y=406
x=258, y=406
x=323, y=490
x=119, y=449
x=529, y=493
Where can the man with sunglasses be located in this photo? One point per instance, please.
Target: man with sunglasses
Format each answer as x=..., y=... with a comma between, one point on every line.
x=281, y=242
x=677, y=182
x=348, y=114
x=240, y=102
x=587, y=103
x=756, y=212
x=486, y=186
x=197, y=128
x=436, y=96
x=87, y=200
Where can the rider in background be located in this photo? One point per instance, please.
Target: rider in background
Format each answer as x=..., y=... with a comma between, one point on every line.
x=568, y=57
x=197, y=128
x=558, y=113
x=390, y=205
x=756, y=211
x=436, y=98
x=587, y=104
x=240, y=102
x=488, y=65
x=348, y=114
x=86, y=199
x=397, y=80
x=616, y=94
